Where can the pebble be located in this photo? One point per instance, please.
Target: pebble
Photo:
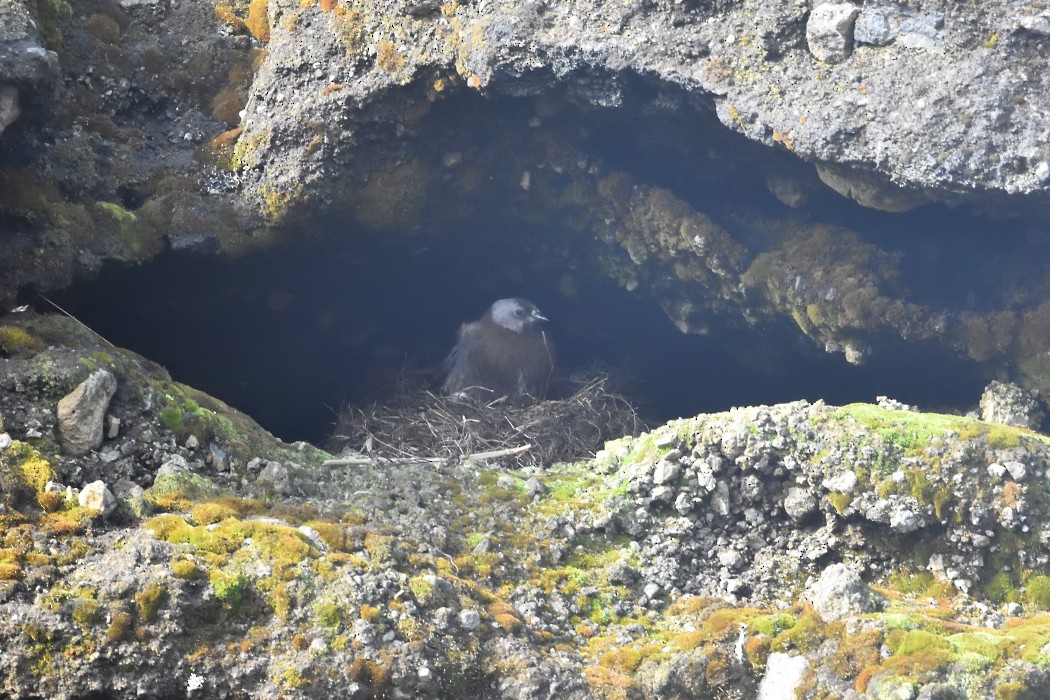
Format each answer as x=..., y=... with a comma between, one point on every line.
x=469, y=619
x=843, y=482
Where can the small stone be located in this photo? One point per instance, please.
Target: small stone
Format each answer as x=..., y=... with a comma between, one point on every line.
x=1037, y=24
x=665, y=440
x=840, y=593
x=1042, y=168
x=112, y=427
x=921, y=31
x=314, y=537
x=730, y=558
x=705, y=479
x=1009, y=404
x=652, y=590
x=192, y=442
x=443, y=618
x=534, y=487
x=218, y=457
x=683, y=503
x=720, y=500
x=1007, y=517
x=620, y=572
x=97, y=496
x=904, y=520
x=469, y=619
x=666, y=471
x=799, y=503
x=996, y=470
x=829, y=31
x=1017, y=470
x=662, y=493
x=5, y=441
x=174, y=465
x=81, y=413
x=843, y=482
x=783, y=675
x=873, y=26
x=273, y=472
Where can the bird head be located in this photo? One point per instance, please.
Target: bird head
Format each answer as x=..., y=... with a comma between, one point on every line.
x=518, y=315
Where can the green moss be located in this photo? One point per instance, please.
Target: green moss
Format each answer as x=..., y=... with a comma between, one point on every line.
x=49, y=15
x=772, y=625
x=231, y=589
x=422, y=588
x=24, y=473
x=910, y=582
x=277, y=202
x=1002, y=588
x=212, y=512
x=10, y=571
x=177, y=491
x=183, y=415
x=86, y=611
x=246, y=147
x=120, y=626
x=148, y=601
x=1037, y=591
x=329, y=615
x=840, y=501
x=803, y=635
x=17, y=341
x=186, y=569
x=977, y=649
x=912, y=431
x=137, y=241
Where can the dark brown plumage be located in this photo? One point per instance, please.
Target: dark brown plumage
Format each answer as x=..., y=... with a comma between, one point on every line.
x=503, y=353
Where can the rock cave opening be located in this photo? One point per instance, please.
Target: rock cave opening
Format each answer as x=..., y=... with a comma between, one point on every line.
x=376, y=289
x=289, y=335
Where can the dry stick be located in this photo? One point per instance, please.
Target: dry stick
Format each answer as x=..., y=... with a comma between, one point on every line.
x=86, y=326
x=432, y=460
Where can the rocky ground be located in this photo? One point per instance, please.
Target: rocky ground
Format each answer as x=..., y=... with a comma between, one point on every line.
x=155, y=543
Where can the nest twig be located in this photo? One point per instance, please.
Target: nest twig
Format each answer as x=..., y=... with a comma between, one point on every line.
x=426, y=427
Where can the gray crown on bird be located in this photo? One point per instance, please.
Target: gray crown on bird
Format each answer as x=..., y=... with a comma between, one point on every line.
x=505, y=353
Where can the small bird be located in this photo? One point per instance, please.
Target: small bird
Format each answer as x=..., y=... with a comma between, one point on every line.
x=504, y=353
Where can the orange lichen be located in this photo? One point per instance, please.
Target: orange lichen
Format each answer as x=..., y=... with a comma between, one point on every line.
x=609, y=684
x=258, y=21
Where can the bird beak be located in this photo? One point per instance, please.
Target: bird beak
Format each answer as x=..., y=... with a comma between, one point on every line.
x=538, y=316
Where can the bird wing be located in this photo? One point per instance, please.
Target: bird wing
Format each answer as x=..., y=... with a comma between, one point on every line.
x=457, y=366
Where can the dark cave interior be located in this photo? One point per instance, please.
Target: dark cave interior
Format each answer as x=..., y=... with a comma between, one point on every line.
x=290, y=334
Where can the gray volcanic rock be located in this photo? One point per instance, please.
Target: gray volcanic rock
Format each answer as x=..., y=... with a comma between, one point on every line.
x=948, y=102
x=829, y=31
x=1009, y=404
x=82, y=411
x=27, y=69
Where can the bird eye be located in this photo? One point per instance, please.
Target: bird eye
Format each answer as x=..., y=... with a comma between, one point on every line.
x=519, y=312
